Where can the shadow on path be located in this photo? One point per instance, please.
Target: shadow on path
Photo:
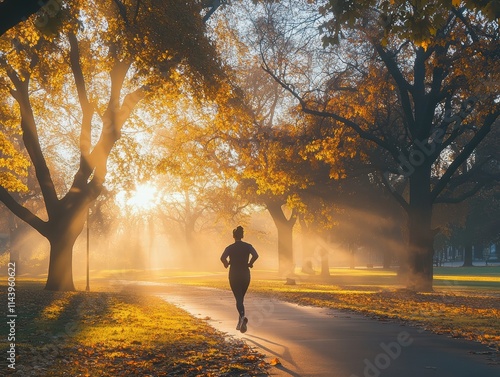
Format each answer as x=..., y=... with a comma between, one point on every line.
x=318, y=342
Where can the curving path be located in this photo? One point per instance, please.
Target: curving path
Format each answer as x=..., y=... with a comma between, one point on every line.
x=323, y=342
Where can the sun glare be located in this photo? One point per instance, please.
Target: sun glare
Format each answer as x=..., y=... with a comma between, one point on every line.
x=142, y=199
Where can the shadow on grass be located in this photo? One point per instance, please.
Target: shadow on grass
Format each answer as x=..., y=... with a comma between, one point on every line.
x=46, y=320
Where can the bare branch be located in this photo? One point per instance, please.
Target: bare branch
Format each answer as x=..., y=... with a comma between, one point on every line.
x=470, y=174
x=212, y=5
x=403, y=85
x=399, y=198
x=466, y=152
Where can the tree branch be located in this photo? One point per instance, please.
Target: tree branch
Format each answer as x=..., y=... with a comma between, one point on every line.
x=469, y=175
x=460, y=15
x=321, y=113
x=122, y=10
x=465, y=154
x=212, y=5
x=113, y=122
x=403, y=85
x=32, y=142
x=454, y=200
x=399, y=198
x=85, y=169
x=22, y=212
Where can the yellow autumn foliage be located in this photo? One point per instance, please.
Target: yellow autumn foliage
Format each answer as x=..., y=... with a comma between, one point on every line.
x=13, y=164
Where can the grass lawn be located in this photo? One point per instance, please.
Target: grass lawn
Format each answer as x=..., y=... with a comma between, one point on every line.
x=465, y=302
x=111, y=333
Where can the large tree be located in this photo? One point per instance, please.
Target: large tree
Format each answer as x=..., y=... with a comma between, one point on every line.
x=420, y=82
x=142, y=46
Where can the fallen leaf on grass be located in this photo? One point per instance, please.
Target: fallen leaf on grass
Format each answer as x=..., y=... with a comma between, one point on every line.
x=275, y=362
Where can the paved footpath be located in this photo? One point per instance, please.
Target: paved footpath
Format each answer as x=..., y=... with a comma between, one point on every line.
x=330, y=343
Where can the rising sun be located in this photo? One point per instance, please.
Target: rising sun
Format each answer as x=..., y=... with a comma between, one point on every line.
x=142, y=199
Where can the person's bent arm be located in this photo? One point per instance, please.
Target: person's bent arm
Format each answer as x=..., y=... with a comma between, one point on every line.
x=223, y=258
x=254, y=254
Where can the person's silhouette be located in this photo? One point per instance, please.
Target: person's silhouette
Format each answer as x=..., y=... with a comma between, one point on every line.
x=239, y=273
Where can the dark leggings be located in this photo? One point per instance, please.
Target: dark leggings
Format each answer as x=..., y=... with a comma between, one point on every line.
x=239, y=282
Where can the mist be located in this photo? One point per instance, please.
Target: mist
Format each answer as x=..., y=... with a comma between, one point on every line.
x=125, y=241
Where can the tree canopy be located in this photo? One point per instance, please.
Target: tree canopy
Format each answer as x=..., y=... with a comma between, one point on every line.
x=143, y=47
x=298, y=107
x=414, y=96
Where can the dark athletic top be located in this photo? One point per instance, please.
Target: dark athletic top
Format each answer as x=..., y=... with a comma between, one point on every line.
x=238, y=254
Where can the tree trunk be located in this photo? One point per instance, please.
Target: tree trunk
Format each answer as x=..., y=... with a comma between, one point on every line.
x=285, y=238
x=285, y=248
x=307, y=254
x=387, y=259
x=60, y=277
x=421, y=237
x=190, y=237
x=64, y=232
x=467, y=253
x=325, y=265
x=352, y=256
x=478, y=250
x=307, y=248
x=150, y=243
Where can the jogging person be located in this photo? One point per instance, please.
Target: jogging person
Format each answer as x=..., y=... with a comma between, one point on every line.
x=239, y=272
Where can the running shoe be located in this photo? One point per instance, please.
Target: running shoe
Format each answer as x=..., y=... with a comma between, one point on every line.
x=243, y=327
x=240, y=321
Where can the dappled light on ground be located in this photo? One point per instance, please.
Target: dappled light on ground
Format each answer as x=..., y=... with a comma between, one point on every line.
x=113, y=333
x=53, y=310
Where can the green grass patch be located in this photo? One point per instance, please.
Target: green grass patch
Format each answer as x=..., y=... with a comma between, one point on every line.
x=113, y=333
x=492, y=271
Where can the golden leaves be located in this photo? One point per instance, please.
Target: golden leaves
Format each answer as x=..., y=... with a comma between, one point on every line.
x=424, y=44
x=13, y=166
x=417, y=23
x=275, y=362
x=117, y=334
